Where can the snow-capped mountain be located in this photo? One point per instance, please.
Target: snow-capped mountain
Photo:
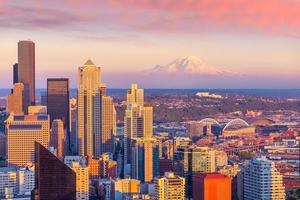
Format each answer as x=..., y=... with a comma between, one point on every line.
x=191, y=65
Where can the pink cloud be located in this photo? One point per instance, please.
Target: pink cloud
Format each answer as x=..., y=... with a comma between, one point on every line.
x=276, y=17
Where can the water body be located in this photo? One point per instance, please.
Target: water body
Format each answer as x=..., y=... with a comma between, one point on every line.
x=275, y=93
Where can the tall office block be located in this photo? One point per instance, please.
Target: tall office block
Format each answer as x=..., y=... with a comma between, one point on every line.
x=170, y=186
x=145, y=159
x=193, y=159
x=58, y=100
x=53, y=178
x=15, y=100
x=22, y=132
x=82, y=181
x=57, y=138
x=96, y=115
x=26, y=68
x=261, y=180
x=108, y=131
x=15, y=73
x=211, y=186
x=138, y=120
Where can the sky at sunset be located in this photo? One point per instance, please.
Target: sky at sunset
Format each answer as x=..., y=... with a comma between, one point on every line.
x=257, y=39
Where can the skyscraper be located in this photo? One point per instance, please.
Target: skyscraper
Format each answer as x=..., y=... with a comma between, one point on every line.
x=138, y=120
x=26, y=68
x=16, y=99
x=53, y=178
x=89, y=96
x=82, y=180
x=211, y=186
x=96, y=114
x=170, y=186
x=261, y=180
x=57, y=137
x=58, y=100
x=144, y=159
x=193, y=159
x=22, y=132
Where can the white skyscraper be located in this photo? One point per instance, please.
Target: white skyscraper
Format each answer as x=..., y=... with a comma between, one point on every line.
x=261, y=180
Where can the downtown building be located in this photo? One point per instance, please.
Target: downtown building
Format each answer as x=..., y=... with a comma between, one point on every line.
x=57, y=138
x=53, y=178
x=261, y=180
x=96, y=113
x=15, y=100
x=138, y=120
x=58, y=100
x=211, y=186
x=144, y=159
x=189, y=160
x=170, y=186
x=82, y=180
x=22, y=132
x=26, y=70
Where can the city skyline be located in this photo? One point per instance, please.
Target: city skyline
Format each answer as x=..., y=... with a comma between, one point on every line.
x=128, y=39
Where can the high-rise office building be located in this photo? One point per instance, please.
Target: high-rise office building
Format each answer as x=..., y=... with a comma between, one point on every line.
x=15, y=73
x=193, y=159
x=53, y=178
x=57, y=138
x=108, y=130
x=58, y=100
x=96, y=115
x=211, y=186
x=26, y=68
x=82, y=180
x=261, y=180
x=144, y=159
x=73, y=126
x=138, y=120
x=89, y=101
x=170, y=186
x=15, y=100
x=22, y=132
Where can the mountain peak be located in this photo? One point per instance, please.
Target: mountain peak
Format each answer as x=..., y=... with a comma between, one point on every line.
x=190, y=65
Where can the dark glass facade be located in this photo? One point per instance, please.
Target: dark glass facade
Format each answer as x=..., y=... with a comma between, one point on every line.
x=58, y=100
x=15, y=73
x=53, y=178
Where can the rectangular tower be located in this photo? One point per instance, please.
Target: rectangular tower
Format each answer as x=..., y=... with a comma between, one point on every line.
x=58, y=100
x=26, y=68
x=22, y=132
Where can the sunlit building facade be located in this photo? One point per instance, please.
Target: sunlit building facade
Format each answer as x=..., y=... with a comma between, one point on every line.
x=26, y=69
x=15, y=100
x=22, y=132
x=261, y=180
x=170, y=186
x=96, y=114
x=193, y=159
x=82, y=181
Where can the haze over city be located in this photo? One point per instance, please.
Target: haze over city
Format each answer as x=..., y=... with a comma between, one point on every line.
x=256, y=42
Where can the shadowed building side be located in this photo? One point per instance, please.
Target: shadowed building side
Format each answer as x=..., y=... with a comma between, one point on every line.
x=53, y=178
